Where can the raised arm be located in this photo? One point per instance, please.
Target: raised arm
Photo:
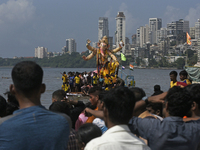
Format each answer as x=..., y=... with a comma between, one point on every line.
x=118, y=48
x=96, y=113
x=152, y=99
x=89, y=56
x=90, y=47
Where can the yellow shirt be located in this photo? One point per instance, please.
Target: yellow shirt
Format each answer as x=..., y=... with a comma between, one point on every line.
x=95, y=80
x=65, y=87
x=173, y=84
x=64, y=78
x=77, y=80
x=187, y=81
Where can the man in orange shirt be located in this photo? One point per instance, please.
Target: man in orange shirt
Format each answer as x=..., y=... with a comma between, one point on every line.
x=94, y=97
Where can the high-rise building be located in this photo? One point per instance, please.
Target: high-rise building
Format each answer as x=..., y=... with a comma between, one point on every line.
x=70, y=45
x=197, y=29
x=120, y=29
x=192, y=32
x=154, y=25
x=177, y=27
x=144, y=35
x=41, y=52
x=134, y=39
x=103, y=28
x=138, y=37
x=110, y=42
x=161, y=35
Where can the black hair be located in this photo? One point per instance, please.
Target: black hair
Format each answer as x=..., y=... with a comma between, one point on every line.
x=156, y=87
x=59, y=95
x=179, y=101
x=12, y=99
x=138, y=92
x=3, y=106
x=27, y=77
x=87, y=132
x=184, y=73
x=174, y=73
x=156, y=107
x=95, y=90
x=194, y=91
x=61, y=107
x=102, y=94
x=157, y=90
x=120, y=103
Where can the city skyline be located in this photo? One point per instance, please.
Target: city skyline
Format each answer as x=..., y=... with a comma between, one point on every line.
x=27, y=24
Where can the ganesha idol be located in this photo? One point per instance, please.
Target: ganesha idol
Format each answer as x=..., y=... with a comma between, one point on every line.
x=102, y=53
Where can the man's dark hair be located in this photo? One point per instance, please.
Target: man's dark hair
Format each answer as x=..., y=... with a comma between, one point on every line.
x=12, y=99
x=179, y=101
x=174, y=73
x=184, y=73
x=87, y=132
x=95, y=90
x=3, y=106
x=156, y=87
x=156, y=107
x=194, y=91
x=157, y=90
x=138, y=92
x=27, y=77
x=120, y=103
x=59, y=95
x=61, y=107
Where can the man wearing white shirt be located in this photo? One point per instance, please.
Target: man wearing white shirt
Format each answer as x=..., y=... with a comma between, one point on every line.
x=118, y=108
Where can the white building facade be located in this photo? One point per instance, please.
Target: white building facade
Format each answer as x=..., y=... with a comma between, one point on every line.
x=120, y=29
x=154, y=25
x=70, y=45
x=197, y=29
x=41, y=52
x=103, y=29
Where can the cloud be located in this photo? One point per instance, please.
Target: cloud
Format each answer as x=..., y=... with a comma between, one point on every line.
x=16, y=11
x=131, y=22
x=193, y=15
x=172, y=14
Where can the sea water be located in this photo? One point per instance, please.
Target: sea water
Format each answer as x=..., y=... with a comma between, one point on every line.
x=144, y=78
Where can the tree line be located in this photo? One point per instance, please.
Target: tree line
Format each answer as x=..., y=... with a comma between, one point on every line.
x=75, y=60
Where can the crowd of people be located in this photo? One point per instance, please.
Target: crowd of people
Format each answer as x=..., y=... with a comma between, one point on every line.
x=120, y=118
x=82, y=82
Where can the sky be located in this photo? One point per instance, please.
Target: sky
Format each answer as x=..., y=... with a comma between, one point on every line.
x=27, y=24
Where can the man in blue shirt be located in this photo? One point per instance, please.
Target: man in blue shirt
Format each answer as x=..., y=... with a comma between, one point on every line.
x=32, y=126
x=172, y=132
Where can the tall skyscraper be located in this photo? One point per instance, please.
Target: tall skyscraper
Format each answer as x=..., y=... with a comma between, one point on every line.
x=144, y=35
x=197, y=29
x=120, y=29
x=177, y=27
x=70, y=45
x=41, y=52
x=192, y=32
x=103, y=28
x=154, y=25
x=161, y=34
